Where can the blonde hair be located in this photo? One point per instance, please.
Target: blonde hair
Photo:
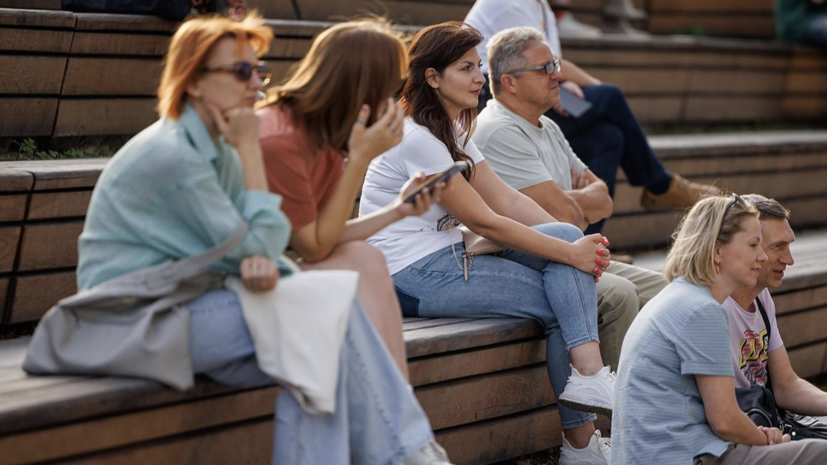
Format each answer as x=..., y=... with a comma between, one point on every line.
x=348, y=65
x=190, y=47
x=710, y=222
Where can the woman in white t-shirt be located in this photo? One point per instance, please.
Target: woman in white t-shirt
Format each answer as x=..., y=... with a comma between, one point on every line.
x=547, y=271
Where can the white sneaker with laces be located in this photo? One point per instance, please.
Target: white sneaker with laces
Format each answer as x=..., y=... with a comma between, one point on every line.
x=430, y=454
x=595, y=394
x=596, y=453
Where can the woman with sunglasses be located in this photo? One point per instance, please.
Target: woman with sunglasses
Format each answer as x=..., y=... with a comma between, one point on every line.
x=184, y=185
x=336, y=104
x=547, y=271
x=675, y=396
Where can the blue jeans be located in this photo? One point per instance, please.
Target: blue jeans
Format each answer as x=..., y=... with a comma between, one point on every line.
x=511, y=284
x=377, y=421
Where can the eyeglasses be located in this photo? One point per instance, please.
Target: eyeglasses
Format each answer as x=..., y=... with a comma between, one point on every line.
x=243, y=71
x=549, y=68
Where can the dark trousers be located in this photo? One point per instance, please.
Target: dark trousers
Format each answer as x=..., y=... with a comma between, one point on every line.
x=609, y=136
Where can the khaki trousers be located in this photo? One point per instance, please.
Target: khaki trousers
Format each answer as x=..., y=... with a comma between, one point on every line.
x=806, y=452
x=622, y=291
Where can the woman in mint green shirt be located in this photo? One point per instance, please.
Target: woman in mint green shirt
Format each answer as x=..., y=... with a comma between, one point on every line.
x=183, y=186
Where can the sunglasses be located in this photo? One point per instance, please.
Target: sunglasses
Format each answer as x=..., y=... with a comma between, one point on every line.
x=735, y=199
x=549, y=68
x=243, y=71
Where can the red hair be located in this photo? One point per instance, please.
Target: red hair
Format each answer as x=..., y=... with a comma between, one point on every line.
x=190, y=47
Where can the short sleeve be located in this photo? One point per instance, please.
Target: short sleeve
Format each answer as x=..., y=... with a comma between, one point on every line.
x=574, y=162
x=422, y=151
x=514, y=158
x=702, y=343
x=769, y=305
x=287, y=173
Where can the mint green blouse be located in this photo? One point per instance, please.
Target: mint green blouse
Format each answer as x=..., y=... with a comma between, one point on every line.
x=170, y=193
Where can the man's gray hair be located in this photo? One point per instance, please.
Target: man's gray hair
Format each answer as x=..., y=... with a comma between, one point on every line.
x=768, y=209
x=505, y=52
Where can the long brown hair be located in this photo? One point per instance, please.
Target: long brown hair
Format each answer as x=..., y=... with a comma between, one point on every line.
x=437, y=47
x=348, y=65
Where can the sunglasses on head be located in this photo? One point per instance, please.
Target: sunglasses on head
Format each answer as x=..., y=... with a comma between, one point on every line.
x=735, y=199
x=243, y=71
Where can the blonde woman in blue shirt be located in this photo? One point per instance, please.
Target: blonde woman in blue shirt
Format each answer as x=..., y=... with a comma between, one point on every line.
x=675, y=394
x=184, y=185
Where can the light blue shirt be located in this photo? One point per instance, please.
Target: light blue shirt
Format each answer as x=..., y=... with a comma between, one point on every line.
x=659, y=414
x=172, y=193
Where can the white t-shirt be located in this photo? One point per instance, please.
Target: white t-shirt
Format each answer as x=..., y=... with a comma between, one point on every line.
x=492, y=16
x=413, y=237
x=748, y=340
x=522, y=154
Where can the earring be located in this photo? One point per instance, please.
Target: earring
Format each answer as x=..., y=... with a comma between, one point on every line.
x=717, y=268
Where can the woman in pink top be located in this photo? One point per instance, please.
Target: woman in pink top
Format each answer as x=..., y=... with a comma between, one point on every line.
x=335, y=105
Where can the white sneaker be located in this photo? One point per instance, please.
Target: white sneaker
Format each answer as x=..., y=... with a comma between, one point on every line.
x=596, y=453
x=430, y=454
x=569, y=27
x=595, y=394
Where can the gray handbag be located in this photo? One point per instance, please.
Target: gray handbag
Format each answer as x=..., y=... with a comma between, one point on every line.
x=134, y=325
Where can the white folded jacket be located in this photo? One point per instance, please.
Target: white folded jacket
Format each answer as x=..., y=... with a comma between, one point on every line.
x=298, y=330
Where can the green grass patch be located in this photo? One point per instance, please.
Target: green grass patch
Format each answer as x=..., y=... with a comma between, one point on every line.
x=27, y=149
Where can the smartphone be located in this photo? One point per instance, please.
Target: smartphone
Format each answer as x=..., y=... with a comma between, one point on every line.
x=574, y=105
x=459, y=167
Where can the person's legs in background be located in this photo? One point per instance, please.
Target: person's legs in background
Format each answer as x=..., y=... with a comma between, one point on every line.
x=601, y=148
x=640, y=164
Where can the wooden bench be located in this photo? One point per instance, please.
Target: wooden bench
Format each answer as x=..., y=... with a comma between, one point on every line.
x=42, y=205
x=717, y=18
x=788, y=166
x=65, y=74
x=482, y=382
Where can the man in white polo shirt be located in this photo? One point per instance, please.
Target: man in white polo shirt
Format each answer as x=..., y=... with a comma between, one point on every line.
x=529, y=152
x=757, y=357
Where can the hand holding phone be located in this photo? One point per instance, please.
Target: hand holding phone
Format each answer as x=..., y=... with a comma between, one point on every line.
x=433, y=180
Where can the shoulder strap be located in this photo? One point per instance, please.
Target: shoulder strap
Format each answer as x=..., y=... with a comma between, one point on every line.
x=769, y=335
x=186, y=268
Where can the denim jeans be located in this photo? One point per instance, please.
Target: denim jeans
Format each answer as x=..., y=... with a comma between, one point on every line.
x=817, y=32
x=377, y=421
x=511, y=284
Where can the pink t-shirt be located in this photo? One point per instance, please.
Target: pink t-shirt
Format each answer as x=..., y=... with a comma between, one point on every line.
x=748, y=339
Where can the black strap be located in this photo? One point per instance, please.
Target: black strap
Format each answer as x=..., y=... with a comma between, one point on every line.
x=769, y=336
